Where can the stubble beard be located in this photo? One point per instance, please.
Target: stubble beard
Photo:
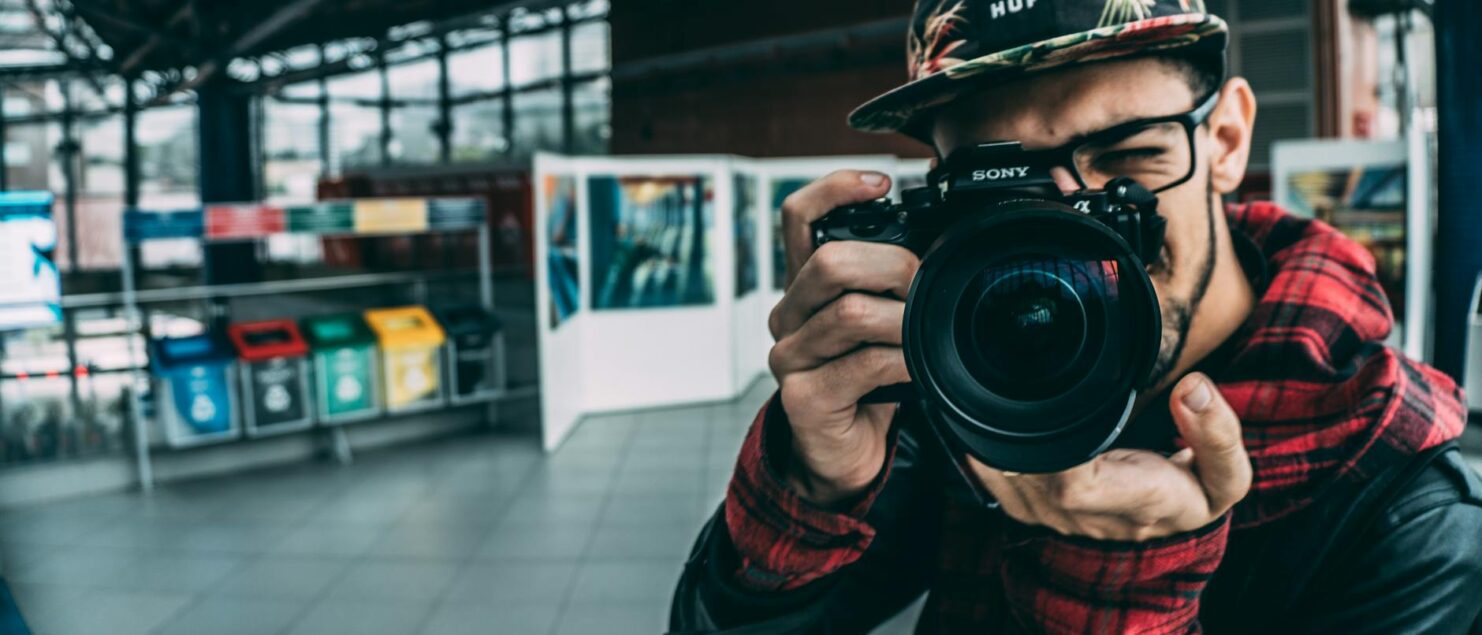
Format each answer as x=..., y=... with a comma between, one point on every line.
x=1178, y=313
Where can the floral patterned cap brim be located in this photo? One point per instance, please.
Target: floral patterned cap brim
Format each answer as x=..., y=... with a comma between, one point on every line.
x=901, y=109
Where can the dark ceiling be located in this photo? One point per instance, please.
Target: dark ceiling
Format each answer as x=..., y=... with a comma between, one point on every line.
x=169, y=34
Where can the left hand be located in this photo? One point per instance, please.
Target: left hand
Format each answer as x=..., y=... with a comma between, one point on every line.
x=1137, y=495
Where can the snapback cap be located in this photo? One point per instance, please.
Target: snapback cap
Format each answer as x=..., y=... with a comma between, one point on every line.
x=958, y=46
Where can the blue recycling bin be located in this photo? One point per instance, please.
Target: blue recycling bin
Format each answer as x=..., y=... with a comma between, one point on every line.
x=193, y=380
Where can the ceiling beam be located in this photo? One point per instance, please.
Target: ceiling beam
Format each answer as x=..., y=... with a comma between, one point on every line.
x=131, y=63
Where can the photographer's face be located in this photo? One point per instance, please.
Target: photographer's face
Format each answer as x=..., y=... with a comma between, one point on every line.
x=1198, y=280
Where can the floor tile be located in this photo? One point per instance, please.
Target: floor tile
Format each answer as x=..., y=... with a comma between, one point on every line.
x=111, y=612
x=654, y=509
x=282, y=578
x=625, y=581
x=74, y=566
x=430, y=541
x=362, y=617
x=234, y=616
x=504, y=619
x=536, y=542
x=176, y=573
x=394, y=580
x=614, y=619
x=327, y=539
x=513, y=582
x=639, y=541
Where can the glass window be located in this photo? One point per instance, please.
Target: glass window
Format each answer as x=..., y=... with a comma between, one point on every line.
x=362, y=85
x=100, y=186
x=478, y=131
x=168, y=170
x=413, y=139
x=475, y=71
x=538, y=121
x=535, y=57
x=589, y=47
x=355, y=136
x=290, y=140
x=414, y=80
x=591, y=102
x=168, y=176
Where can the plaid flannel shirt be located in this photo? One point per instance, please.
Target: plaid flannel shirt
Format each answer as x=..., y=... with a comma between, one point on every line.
x=1320, y=399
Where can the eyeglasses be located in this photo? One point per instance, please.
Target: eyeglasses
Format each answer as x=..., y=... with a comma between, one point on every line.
x=1158, y=153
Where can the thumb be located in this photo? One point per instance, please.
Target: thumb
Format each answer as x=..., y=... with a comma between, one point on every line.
x=1212, y=430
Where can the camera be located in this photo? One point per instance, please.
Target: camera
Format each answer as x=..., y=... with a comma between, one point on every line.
x=1032, y=323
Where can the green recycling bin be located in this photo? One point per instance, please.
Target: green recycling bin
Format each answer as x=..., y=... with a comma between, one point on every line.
x=345, y=367
x=474, y=352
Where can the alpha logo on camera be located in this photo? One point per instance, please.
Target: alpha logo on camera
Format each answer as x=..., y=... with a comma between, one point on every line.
x=999, y=174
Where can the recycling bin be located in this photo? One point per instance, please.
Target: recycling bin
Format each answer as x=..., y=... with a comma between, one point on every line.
x=474, y=352
x=345, y=379
x=274, y=375
x=411, y=357
x=193, y=378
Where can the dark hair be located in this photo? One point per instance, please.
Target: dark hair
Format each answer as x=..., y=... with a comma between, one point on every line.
x=1204, y=76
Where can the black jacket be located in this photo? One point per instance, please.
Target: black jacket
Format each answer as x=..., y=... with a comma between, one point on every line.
x=1398, y=553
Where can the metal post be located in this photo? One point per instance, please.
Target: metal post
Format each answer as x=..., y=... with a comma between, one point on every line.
x=133, y=322
x=486, y=296
x=4, y=166
x=444, y=126
x=325, y=151
x=67, y=152
x=568, y=89
x=385, y=109
x=508, y=96
x=1457, y=261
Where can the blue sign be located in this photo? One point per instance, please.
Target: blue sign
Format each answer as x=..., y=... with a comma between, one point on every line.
x=146, y=225
x=30, y=285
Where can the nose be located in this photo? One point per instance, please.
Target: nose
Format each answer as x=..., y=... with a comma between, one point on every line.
x=1064, y=180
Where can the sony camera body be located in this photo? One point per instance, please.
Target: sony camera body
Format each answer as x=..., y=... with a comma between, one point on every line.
x=1032, y=323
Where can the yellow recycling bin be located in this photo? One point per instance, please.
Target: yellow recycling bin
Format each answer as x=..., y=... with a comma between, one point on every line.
x=411, y=357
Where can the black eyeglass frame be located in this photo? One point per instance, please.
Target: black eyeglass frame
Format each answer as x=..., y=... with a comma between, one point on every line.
x=1064, y=156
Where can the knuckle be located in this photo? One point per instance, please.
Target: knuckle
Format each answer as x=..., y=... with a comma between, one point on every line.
x=852, y=309
x=795, y=390
x=776, y=358
x=831, y=259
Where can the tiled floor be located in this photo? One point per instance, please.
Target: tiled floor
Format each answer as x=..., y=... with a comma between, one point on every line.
x=479, y=534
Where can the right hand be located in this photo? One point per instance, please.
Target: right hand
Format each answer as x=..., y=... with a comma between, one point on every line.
x=838, y=334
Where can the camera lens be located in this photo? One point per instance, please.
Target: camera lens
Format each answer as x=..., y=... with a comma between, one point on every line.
x=1027, y=329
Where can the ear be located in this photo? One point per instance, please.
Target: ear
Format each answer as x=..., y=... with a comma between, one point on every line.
x=1230, y=127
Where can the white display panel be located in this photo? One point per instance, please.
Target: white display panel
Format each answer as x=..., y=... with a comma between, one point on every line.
x=1373, y=192
x=750, y=338
x=557, y=218
x=675, y=275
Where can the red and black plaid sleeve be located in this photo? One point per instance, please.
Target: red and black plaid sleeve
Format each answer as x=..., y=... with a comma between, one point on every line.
x=1059, y=584
x=782, y=540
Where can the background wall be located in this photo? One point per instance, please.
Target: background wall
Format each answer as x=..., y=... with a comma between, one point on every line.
x=765, y=79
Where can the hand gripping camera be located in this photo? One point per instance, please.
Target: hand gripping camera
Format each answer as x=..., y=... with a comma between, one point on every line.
x=1032, y=323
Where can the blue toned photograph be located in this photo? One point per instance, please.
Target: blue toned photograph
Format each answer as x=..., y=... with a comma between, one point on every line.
x=565, y=286
x=649, y=246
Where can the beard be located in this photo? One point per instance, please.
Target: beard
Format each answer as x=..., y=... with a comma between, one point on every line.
x=1178, y=313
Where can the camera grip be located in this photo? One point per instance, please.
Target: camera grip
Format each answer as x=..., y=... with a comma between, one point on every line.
x=894, y=393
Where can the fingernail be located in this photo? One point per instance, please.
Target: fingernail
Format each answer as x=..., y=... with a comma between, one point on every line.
x=872, y=179
x=1198, y=397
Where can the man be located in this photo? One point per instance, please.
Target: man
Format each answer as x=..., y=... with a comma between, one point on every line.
x=1317, y=491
